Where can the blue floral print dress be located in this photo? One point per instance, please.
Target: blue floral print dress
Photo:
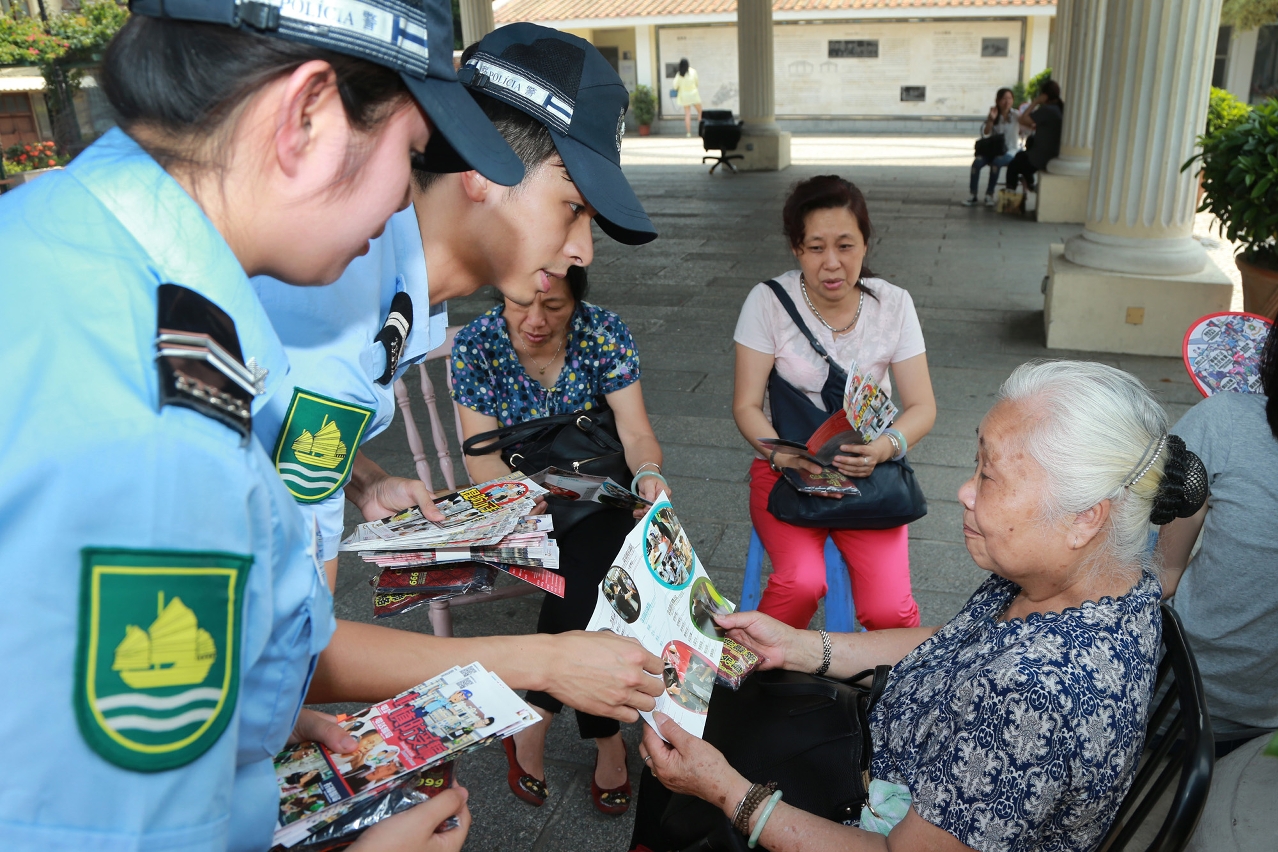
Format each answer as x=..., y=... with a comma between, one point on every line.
x=1023, y=734
x=488, y=378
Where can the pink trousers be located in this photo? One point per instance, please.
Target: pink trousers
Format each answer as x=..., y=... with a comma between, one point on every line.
x=878, y=562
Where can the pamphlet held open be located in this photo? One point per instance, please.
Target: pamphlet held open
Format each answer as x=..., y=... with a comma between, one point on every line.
x=867, y=412
x=658, y=592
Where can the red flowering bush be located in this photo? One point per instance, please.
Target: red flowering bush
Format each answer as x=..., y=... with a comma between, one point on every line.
x=32, y=155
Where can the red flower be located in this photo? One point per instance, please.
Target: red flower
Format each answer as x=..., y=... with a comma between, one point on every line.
x=31, y=38
x=33, y=51
x=53, y=162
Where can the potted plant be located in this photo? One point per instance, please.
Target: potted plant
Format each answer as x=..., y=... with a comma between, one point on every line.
x=1223, y=112
x=1239, y=170
x=644, y=104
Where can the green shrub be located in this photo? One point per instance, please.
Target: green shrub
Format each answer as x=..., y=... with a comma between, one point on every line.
x=644, y=104
x=1223, y=111
x=1029, y=90
x=1239, y=168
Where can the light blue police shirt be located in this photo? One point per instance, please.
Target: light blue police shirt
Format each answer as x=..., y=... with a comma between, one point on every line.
x=90, y=460
x=334, y=363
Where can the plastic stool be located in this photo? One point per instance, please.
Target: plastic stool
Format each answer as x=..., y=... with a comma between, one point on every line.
x=840, y=612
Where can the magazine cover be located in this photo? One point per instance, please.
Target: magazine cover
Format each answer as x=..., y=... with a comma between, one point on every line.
x=658, y=592
x=419, y=728
x=475, y=516
x=567, y=485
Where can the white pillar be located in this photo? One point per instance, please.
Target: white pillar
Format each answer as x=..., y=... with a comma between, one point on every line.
x=1135, y=279
x=644, y=57
x=764, y=145
x=476, y=20
x=1058, y=53
x=1086, y=41
x=1157, y=64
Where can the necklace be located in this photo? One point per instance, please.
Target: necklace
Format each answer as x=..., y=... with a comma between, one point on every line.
x=803, y=285
x=541, y=369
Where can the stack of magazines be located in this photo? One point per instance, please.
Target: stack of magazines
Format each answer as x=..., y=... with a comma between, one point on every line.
x=486, y=528
x=404, y=754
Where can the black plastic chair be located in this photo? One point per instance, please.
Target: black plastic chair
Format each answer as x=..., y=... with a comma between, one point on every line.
x=1185, y=743
x=719, y=132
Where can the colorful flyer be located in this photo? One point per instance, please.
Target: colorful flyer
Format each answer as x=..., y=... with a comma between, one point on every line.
x=658, y=592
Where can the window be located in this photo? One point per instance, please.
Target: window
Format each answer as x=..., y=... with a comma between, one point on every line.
x=995, y=47
x=1221, y=65
x=853, y=48
x=672, y=70
x=1264, y=74
x=917, y=94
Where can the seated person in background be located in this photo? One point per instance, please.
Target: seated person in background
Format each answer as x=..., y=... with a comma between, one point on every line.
x=855, y=316
x=1020, y=723
x=559, y=355
x=1044, y=116
x=1003, y=121
x=1227, y=594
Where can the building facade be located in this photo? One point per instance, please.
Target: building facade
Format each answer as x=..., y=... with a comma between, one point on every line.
x=836, y=62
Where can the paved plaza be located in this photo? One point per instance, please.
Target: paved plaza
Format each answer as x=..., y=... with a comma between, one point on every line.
x=975, y=277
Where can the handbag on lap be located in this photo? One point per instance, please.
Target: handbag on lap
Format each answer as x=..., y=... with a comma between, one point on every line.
x=809, y=734
x=991, y=147
x=890, y=495
x=583, y=442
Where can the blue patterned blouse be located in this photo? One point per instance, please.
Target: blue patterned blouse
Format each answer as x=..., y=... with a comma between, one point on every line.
x=488, y=378
x=1023, y=734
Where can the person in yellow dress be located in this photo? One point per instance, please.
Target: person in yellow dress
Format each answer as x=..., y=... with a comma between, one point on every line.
x=686, y=93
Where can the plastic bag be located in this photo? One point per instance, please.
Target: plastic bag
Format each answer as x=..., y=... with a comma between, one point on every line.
x=414, y=790
x=736, y=662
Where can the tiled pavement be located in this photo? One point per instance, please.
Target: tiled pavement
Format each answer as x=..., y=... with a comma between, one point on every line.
x=975, y=277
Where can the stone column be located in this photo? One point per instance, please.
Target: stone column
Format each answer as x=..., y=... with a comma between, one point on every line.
x=1063, y=190
x=476, y=20
x=1135, y=279
x=765, y=146
x=1058, y=53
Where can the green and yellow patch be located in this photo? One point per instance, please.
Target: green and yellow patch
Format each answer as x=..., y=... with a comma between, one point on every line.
x=317, y=444
x=157, y=663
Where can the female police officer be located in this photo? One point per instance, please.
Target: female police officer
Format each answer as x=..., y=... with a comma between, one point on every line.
x=162, y=606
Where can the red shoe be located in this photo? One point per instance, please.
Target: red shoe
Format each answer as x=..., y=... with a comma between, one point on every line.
x=524, y=786
x=613, y=802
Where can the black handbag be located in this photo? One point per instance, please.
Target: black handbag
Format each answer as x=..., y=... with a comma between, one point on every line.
x=583, y=442
x=991, y=147
x=890, y=495
x=809, y=734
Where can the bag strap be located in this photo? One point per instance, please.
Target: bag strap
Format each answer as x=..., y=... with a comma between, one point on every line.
x=786, y=302
x=497, y=440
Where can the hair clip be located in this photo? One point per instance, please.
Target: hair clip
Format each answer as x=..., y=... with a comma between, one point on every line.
x=1143, y=466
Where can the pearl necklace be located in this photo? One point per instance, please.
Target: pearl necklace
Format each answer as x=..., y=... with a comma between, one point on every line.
x=803, y=285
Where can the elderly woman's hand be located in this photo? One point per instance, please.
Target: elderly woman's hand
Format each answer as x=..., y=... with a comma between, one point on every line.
x=690, y=765
x=774, y=641
x=859, y=460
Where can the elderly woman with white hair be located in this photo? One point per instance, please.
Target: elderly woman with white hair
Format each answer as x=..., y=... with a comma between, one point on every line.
x=1019, y=724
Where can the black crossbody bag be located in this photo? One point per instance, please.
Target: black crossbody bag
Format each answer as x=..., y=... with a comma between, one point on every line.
x=809, y=734
x=582, y=442
x=890, y=495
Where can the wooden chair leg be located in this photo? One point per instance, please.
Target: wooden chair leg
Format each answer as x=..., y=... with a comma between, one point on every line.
x=441, y=618
x=414, y=437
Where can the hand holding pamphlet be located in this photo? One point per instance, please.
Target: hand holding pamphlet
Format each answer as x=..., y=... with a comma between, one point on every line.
x=398, y=742
x=867, y=412
x=658, y=592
